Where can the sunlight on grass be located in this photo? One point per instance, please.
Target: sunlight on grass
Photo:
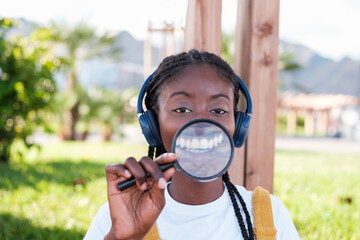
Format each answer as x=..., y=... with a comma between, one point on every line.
x=57, y=193
x=321, y=192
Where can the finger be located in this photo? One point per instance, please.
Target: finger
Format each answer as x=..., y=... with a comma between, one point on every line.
x=169, y=173
x=153, y=169
x=166, y=158
x=115, y=170
x=137, y=171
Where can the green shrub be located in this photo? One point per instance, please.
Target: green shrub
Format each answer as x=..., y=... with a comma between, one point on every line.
x=26, y=85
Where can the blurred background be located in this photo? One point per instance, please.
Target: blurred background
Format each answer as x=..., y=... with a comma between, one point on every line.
x=70, y=73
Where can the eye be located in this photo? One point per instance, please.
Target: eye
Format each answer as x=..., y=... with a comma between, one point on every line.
x=182, y=110
x=218, y=111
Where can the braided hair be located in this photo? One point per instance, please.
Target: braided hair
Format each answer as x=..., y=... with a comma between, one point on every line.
x=170, y=68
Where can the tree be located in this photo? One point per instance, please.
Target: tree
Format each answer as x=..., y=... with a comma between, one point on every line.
x=288, y=63
x=107, y=108
x=228, y=47
x=26, y=85
x=74, y=44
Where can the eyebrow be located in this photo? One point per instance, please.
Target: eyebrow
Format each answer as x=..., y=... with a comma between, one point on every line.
x=181, y=93
x=220, y=95
x=190, y=95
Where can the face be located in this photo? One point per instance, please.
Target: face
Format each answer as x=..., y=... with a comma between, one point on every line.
x=197, y=93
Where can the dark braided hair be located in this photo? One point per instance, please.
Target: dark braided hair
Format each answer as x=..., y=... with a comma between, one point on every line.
x=171, y=68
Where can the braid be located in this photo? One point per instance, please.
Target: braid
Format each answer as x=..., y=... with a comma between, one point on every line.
x=151, y=152
x=171, y=67
x=248, y=220
x=247, y=234
x=160, y=150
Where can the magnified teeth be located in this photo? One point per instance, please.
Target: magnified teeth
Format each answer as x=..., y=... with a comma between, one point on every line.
x=216, y=141
x=221, y=138
x=195, y=144
x=188, y=144
x=204, y=144
x=182, y=143
x=211, y=143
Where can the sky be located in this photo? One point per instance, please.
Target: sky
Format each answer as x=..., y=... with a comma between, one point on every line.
x=329, y=27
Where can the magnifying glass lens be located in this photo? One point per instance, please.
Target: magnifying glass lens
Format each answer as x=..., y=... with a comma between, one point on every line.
x=204, y=149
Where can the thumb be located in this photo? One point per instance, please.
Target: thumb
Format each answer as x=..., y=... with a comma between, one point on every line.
x=159, y=186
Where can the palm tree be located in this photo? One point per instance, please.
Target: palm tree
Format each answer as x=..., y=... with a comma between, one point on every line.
x=288, y=63
x=74, y=44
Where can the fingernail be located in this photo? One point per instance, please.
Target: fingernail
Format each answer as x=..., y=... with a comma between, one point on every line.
x=143, y=186
x=162, y=183
x=127, y=173
x=171, y=154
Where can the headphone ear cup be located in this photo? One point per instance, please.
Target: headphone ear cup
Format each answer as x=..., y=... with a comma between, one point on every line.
x=150, y=128
x=241, y=128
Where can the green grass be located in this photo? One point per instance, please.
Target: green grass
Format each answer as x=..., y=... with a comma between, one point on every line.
x=39, y=199
x=321, y=192
x=55, y=195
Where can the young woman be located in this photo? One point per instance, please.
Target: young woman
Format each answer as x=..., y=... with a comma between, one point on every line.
x=186, y=86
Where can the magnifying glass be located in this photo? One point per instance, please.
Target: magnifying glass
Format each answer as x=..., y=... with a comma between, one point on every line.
x=204, y=150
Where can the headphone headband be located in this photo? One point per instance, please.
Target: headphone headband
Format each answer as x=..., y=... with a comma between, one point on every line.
x=150, y=127
x=142, y=93
x=243, y=89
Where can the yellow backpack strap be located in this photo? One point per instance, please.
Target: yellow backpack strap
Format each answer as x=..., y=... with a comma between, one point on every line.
x=153, y=234
x=263, y=217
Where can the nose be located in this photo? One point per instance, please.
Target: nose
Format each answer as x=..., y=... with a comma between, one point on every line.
x=202, y=113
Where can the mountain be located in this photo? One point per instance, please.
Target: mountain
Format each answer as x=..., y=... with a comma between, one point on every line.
x=126, y=73
x=319, y=74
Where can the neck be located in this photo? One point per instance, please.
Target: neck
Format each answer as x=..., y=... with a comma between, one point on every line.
x=188, y=191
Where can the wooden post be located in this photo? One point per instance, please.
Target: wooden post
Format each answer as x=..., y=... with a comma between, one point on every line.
x=323, y=122
x=168, y=47
x=291, y=122
x=309, y=123
x=203, y=26
x=148, y=54
x=170, y=43
x=256, y=61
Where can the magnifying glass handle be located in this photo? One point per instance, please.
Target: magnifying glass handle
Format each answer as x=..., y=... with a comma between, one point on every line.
x=132, y=181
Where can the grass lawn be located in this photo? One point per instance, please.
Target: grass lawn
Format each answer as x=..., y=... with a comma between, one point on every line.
x=56, y=194
x=321, y=192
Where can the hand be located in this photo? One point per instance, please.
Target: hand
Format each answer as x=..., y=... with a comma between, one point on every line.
x=134, y=210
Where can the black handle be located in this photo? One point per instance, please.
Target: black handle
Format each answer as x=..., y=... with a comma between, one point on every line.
x=132, y=181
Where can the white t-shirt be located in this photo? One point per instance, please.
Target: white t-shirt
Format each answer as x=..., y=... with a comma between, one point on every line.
x=215, y=220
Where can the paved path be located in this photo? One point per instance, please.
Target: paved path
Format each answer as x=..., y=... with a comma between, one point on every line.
x=318, y=144
x=321, y=144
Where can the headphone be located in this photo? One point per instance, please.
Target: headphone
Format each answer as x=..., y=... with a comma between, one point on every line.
x=150, y=126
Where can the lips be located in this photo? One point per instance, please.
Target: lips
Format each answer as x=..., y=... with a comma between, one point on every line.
x=199, y=145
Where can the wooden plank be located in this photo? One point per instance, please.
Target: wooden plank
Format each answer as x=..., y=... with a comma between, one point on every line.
x=256, y=62
x=309, y=122
x=148, y=54
x=203, y=26
x=291, y=122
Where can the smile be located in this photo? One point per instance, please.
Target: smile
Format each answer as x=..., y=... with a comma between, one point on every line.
x=199, y=145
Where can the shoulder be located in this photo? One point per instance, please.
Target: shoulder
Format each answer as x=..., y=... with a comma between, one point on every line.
x=100, y=225
x=277, y=205
x=282, y=219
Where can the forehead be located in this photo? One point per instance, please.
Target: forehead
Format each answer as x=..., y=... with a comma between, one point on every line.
x=198, y=78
